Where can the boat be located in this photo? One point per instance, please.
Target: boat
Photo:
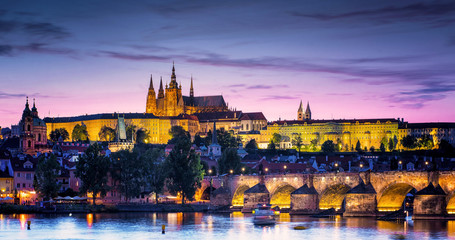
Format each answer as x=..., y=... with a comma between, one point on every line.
x=263, y=214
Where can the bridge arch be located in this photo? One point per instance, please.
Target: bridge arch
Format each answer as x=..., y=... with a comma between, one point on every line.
x=281, y=197
x=392, y=197
x=333, y=196
x=450, y=203
x=237, y=198
x=206, y=193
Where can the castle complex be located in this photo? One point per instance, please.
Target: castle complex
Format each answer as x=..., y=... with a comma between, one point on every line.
x=197, y=114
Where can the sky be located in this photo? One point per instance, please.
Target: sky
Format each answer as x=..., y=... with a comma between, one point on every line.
x=348, y=59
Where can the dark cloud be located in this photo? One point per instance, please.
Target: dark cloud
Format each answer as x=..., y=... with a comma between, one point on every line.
x=4, y=95
x=393, y=59
x=278, y=97
x=46, y=30
x=5, y=50
x=135, y=57
x=7, y=26
x=264, y=86
x=44, y=48
x=437, y=13
x=237, y=86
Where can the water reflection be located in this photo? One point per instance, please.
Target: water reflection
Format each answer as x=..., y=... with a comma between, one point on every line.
x=235, y=226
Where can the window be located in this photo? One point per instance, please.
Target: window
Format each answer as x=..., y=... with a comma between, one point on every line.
x=23, y=185
x=28, y=176
x=18, y=185
x=18, y=175
x=29, y=143
x=39, y=137
x=28, y=127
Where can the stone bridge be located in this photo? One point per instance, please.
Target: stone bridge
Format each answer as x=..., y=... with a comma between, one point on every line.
x=355, y=194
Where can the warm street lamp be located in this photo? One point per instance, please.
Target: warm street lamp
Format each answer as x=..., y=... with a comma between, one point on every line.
x=210, y=171
x=266, y=170
x=231, y=171
x=243, y=169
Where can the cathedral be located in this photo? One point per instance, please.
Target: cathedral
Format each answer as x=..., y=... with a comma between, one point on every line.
x=171, y=102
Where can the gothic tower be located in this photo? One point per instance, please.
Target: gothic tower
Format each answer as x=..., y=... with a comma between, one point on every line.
x=173, y=97
x=151, y=99
x=308, y=112
x=191, y=93
x=33, y=130
x=300, y=112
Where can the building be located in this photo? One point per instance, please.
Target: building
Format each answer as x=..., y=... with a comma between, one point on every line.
x=24, y=167
x=171, y=102
x=33, y=131
x=157, y=127
x=437, y=131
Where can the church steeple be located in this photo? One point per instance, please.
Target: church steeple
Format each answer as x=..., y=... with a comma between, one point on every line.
x=161, y=90
x=191, y=93
x=173, y=83
x=26, y=111
x=34, y=110
x=308, y=112
x=300, y=112
x=151, y=98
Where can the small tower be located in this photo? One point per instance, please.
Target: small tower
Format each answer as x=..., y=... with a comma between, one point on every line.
x=151, y=99
x=214, y=148
x=161, y=90
x=300, y=112
x=34, y=110
x=308, y=112
x=191, y=93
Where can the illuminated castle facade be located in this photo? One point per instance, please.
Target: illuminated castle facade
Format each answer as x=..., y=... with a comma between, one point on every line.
x=171, y=102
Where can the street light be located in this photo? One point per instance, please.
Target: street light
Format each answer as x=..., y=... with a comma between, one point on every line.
x=243, y=169
x=266, y=170
x=210, y=171
x=231, y=171
x=336, y=164
x=361, y=165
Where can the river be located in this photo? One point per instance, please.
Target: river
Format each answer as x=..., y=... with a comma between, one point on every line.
x=234, y=226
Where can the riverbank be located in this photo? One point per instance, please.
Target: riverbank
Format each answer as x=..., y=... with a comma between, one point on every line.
x=85, y=208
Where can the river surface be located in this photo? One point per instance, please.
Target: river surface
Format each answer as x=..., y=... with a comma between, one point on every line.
x=236, y=226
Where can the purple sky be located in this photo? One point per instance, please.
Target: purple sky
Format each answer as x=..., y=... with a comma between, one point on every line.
x=349, y=59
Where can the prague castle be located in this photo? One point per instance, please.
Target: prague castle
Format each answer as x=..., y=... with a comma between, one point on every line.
x=196, y=115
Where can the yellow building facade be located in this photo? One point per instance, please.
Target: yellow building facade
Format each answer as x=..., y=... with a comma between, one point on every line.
x=157, y=127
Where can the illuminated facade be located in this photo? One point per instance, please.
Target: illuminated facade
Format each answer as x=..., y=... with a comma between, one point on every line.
x=157, y=127
x=171, y=102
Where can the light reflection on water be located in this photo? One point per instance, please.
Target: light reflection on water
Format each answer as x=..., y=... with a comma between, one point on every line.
x=235, y=226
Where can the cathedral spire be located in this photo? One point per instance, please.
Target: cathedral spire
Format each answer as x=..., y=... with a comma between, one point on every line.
x=161, y=91
x=173, y=83
x=191, y=88
x=34, y=110
x=151, y=82
x=26, y=104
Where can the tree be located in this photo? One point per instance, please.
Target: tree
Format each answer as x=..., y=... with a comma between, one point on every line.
x=80, y=133
x=297, y=142
x=271, y=148
x=156, y=173
x=184, y=169
x=198, y=140
x=314, y=144
x=229, y=160
x=131, y=132
x=425, y=142
x=409, y=142
x=176, y=133
x=382, y=147
x=142, y=136
x=328, y=146
x=276, y=139
x=372, y=149
x=358, y=148
x=391, y=146
x=107, y=134
x=129, y=172
x=226, y=139
x=45, y=180
x=251, y=145
x=92, y=169
x=57, y=133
